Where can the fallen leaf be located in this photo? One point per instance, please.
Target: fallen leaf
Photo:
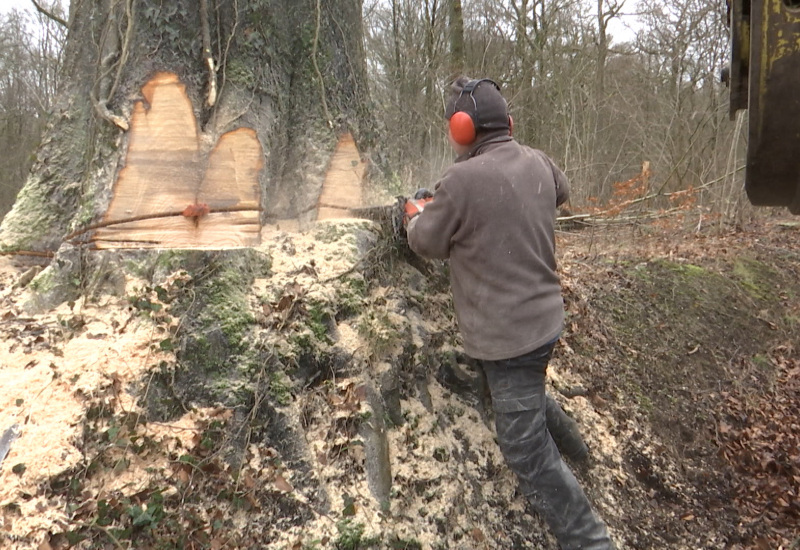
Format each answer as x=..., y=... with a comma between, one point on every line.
x=285, y=302
x=282, y=485
x=349, y=505
x=183, y=476
x=360, y=393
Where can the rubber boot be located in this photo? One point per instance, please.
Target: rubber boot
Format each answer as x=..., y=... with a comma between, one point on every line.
x=565, y=433
x=520, y=404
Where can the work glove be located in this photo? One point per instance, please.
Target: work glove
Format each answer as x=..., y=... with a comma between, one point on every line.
x=423, y=194
x=415, y=206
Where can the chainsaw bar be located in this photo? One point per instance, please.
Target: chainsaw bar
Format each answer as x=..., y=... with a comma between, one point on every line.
x=388, y=213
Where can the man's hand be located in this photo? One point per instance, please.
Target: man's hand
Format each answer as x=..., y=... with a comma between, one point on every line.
x=414, y=206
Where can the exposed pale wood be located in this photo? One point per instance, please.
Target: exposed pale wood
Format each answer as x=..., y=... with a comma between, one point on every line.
x=215, y=231
x=342, y=190
x=166, y=171
x=231, y=177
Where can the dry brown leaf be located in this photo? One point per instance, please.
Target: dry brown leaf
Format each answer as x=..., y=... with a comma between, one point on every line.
x=477, y=534
x=252, y=500
x=285, y=302
x=183, y=476
x=282, y=485
x=360, y=393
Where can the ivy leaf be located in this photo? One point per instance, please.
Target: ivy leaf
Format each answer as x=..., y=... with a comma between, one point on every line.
x=349, y=505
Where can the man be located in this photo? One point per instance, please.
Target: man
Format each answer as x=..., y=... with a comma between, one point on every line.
x=493, y=215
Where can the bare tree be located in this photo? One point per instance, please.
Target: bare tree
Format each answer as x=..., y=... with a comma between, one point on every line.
x=455, y=21
x=600, y=108
x=30, y=60
x=606, y=11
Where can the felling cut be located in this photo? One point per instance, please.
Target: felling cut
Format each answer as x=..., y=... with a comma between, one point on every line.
x=173, y=194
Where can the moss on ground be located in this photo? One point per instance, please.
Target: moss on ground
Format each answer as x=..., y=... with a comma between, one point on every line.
x=678, y=332
x=757, y=279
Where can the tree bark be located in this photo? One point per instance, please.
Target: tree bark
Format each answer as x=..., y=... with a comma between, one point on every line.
x=602, y=49
x=456, y=28
x=244, y=64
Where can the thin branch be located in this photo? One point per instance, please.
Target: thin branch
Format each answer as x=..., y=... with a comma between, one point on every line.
x=49, y=14
x=596, y=215
x=34, y=253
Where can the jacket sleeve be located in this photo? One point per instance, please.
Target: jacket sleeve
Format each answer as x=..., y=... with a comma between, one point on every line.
x=562, y=183
x=431, y=232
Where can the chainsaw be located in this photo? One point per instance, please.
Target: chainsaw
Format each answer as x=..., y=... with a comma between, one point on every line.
x=391, y=214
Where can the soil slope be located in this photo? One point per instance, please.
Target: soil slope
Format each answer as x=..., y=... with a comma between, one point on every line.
x=315, y=395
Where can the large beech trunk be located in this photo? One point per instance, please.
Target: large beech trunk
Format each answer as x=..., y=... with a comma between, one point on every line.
x=189, y=124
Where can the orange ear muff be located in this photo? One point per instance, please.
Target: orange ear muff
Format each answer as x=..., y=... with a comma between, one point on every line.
x=462, y=128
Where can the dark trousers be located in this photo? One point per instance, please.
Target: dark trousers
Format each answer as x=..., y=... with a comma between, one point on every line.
x=517, y=387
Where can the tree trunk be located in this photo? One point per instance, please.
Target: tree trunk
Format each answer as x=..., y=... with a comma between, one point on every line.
x=431, y=15
x=602, y=50
x=291, y=74
x=456, y=28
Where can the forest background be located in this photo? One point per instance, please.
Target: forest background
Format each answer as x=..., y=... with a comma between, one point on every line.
x=624, y=94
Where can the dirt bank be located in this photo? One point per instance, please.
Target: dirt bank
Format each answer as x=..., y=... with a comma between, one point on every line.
x=323, y=400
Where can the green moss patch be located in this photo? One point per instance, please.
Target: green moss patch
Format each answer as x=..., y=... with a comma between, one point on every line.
x=670, y=336
x=757, y=278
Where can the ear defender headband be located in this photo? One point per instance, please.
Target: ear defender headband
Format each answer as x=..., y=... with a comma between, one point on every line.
x=464, y=125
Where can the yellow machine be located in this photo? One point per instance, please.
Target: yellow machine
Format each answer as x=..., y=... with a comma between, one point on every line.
x=764, y=78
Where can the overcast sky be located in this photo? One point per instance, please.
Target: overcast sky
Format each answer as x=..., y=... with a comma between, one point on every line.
x=621, y=30
x=6, y=5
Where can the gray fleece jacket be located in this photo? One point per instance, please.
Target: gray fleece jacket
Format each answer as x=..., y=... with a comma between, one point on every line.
x=493, y=216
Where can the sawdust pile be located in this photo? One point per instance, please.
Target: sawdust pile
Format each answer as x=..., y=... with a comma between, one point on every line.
x=54, y=367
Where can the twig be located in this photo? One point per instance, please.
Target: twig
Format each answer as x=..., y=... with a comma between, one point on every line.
x=94, y=525
x=594, y=216
x=35, y=253
x=49, y=14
